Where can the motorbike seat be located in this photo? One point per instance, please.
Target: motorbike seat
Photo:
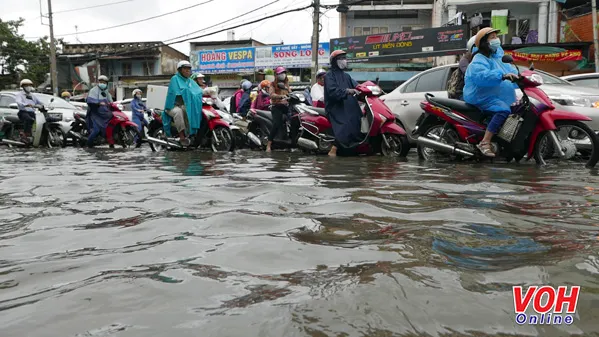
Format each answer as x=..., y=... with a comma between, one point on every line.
x=469, y=110
x=13, y=119
x=320, y=111
x=264, y=113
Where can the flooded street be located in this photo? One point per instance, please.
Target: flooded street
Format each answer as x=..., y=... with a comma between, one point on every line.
x=133, y=243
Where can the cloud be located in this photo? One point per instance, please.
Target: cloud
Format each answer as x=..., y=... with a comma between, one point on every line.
x=291, y=28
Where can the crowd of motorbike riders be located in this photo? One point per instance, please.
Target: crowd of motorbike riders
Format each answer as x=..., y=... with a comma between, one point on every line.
x=482, y=80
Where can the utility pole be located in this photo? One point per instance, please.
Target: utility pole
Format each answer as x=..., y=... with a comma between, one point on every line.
x=594, y=6
x=315, y=38
x=53, y=75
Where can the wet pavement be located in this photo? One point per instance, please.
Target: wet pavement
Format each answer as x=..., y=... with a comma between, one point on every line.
x=134, y=243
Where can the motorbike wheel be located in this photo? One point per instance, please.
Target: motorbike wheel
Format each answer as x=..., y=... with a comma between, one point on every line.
x=429, y=154
x=399, y=146
x=55, y=138
x=225, y=139
x=568, y=132
x=127, y=136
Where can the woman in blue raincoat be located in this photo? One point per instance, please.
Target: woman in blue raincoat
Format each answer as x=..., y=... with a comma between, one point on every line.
x=183, y=104
x=488, y=84
x=138, y=108
x=98, y=110
x=341, y=106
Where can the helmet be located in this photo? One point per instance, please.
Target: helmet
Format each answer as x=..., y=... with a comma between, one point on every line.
x=65, y=94
x=264, y=84
x=280, y=70
x=25, y=82
x=321, y=72
x=102, y=78
x=183, y=63
x=470, y=43
x=136, y=91
x=335, y=54
x=196, y=76
x=246, y=85
x=483, y=33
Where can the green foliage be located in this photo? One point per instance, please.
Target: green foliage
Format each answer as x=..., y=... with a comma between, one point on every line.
x=269, y=72
x=20, y=58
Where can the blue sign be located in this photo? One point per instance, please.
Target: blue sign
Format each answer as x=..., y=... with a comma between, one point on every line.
x=224, y=61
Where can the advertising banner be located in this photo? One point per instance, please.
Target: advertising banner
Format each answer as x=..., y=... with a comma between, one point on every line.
x=568, y=55
x=392, y=47
x=291, y=56
x=224, y=61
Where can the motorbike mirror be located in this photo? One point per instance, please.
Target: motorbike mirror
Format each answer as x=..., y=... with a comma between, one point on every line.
x=51, y=99
x=532, y=66
x=507, y=59
x=13, y=106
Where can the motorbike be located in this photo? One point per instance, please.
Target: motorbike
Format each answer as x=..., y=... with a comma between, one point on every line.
x=120, y=130
x=215, y=131
x=46, y=130
x=535, y=128
x=381, y=133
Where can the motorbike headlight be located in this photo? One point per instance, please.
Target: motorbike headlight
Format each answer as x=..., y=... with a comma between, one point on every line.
x=383, y=119
x=69, y=119
x=569, y=100
x=375, y=89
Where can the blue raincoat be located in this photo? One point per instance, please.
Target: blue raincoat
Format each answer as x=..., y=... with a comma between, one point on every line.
x=138, y=107
x=192, y=94
x=343, y=110
x=98, y=116
x=484, y=86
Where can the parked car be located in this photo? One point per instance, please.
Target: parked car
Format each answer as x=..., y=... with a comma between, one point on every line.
x=586, y=80
x=59, y=108
x=405, y=100
x=79, y=105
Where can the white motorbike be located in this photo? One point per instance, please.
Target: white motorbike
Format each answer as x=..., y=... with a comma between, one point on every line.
x=46, y=131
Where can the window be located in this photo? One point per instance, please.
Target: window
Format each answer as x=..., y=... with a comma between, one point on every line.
x=432, y=81
x=6, y=100
x=365, y=30
x=126, y=69
x=411, y=87
x=357, y=31
x=148, y=68
x=586, y=82
x=370, y=30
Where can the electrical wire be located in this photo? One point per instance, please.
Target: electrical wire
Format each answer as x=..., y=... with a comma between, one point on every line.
x=90, y=7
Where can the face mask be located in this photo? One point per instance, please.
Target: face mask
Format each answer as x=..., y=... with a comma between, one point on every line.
x=281, y=77
x=138, y=96
x=102, y=86
x=264, y=91
x=28, y=89
x=494, y=44
x=342, y=64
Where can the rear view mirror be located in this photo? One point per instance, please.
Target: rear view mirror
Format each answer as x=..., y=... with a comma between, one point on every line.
x=52, y=100
x=13, y=106
x=507, y=59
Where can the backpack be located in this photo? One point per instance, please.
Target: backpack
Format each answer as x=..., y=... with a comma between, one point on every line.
x=455, y=85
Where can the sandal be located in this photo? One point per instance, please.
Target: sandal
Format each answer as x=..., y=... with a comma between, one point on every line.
x=486, y=149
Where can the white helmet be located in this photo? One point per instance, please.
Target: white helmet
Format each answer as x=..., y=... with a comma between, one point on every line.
x=470, y=43
x=183, y=63
x=102, y=78
x=136, y=91
x=25, y=82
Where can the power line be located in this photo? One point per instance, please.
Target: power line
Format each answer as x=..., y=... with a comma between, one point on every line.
x=137, y=21
x=90, y=7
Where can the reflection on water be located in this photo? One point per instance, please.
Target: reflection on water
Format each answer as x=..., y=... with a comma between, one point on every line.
x=134, y=243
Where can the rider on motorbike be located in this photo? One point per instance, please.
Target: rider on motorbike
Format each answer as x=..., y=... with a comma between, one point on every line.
x=262, y=101
x=98, y=112
x=245, y=102
x=455, y=88
x=183, y=102
x=199, y=78
x=280, y=106
x=341, y=106
x=26, y=103
x=138, y=108
x=66, y=96
x=317, y=91
x=488, y=86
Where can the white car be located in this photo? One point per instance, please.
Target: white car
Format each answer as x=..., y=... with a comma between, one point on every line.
x=59, y=108
x=405, y=100
x=586, y=80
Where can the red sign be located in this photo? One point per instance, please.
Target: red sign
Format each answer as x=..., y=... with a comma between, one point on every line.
x=568, y=55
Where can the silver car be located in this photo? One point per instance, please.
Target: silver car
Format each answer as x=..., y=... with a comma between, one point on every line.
x=586, y=80
x=59, y=108
x=405, y=100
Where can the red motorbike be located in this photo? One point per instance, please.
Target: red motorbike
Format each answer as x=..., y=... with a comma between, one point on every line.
x=120, y=130
x=381, y=133
x=534, y=129
x=214, y=132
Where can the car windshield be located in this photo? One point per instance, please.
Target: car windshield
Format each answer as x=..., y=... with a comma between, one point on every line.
x=547, y=78
x=58, y=102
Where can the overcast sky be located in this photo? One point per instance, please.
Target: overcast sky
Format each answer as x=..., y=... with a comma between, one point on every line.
x=291, y=28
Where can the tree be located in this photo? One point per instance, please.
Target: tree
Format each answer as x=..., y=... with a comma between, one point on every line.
x=20, y=58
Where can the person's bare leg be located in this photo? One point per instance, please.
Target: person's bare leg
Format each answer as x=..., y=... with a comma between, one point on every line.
x=268, y=145
x=485, y=145
x=333, y=151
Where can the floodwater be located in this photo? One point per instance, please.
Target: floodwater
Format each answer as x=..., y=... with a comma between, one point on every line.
x=134, y=243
